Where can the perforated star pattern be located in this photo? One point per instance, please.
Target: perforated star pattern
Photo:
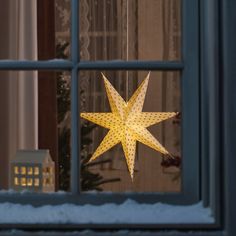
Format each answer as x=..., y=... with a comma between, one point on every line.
x=127, y=123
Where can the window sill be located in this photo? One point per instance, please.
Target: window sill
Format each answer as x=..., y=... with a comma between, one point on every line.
x=129, y=212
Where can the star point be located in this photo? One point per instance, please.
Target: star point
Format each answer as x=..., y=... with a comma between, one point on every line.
x=127, y=123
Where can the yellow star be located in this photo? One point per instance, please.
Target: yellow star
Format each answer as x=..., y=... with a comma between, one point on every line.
x=127, y=123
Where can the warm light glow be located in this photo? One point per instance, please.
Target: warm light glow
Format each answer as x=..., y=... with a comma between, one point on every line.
x=23, y=170
x=16, y=170
x=29, y=170
x=36, y=170
x=36, y=182
x=29, y=182
x=23, y=181
x=127, y=123
x=16, y=181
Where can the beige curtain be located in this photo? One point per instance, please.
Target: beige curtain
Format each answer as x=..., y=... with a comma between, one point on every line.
x=18, y=90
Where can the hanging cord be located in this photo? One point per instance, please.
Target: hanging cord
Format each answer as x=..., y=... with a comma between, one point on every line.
x=127, y=51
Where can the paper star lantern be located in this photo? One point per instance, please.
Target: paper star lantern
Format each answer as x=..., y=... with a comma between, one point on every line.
x=127, y=123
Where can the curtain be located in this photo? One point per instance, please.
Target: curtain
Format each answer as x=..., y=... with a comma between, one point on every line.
x=18, y=90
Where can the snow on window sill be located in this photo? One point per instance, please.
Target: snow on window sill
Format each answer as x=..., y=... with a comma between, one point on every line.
x=128, y=212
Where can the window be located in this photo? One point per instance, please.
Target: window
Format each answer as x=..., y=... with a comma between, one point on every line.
x=29, y=181
x=191, y=70
x=16, y=180
x=36, y=182
x=36, y=170
x=23, y=181
x=29, y=170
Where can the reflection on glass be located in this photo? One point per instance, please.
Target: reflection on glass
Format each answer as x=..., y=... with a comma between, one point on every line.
x=154, y=170
x=130, y=30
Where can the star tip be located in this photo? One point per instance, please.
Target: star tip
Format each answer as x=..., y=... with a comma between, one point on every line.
x=90, y=160
x=131, y=175
x=132, y=178
x=103, y=76
x=148, y=76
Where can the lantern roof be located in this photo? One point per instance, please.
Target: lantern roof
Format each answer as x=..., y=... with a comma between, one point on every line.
x=32, y=156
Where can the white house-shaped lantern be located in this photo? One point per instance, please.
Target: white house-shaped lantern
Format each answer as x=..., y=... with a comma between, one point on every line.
x=33, y=170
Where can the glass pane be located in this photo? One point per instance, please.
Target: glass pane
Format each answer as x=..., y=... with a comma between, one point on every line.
x=144, y=127
x=35, y=130
x=32, y=30
x=130, y=30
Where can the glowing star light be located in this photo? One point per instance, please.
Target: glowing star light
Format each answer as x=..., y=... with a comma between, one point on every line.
x=127, y=123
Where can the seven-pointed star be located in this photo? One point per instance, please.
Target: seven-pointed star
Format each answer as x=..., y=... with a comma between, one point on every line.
x=127, y=123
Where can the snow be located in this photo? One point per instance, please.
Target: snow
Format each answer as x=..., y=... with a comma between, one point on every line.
x=128, y=212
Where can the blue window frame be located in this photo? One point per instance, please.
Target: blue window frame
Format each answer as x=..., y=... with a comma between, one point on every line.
x=189, y=68
x=208, y=88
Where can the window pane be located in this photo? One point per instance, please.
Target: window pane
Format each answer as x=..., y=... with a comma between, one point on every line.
x=36, y=170
x=130, y=30
x=127, y=132
x=32, y=30
x=109, y=29
x=35, y=129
